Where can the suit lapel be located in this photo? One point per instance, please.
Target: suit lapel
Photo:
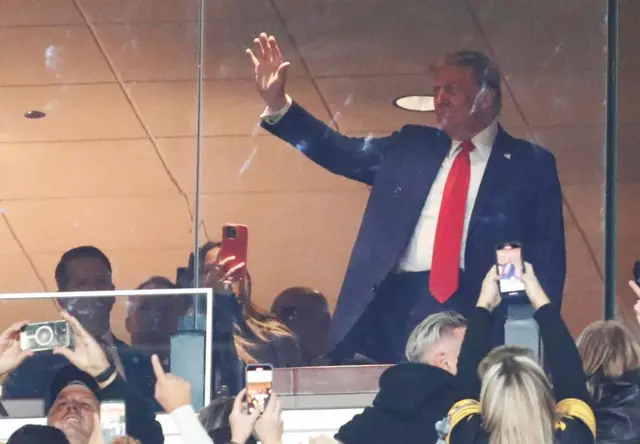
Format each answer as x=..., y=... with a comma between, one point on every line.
x=497, y=167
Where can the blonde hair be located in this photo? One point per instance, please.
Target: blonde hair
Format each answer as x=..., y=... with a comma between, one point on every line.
x=516, y=398
x=608, y=349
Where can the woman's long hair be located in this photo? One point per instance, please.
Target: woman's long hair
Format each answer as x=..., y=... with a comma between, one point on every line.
x=516, y=398
x=608, y=350
x=257, y=325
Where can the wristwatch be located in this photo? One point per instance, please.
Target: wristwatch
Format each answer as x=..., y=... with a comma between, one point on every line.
x=105, y=375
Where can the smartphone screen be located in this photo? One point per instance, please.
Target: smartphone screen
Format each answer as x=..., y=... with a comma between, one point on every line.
x=113, y=420
x=259, y=385
x=510, y=269
x=636, y=272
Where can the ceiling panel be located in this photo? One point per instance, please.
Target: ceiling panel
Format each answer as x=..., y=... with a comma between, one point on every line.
x=51, y=55
x=82, y=169
x=168, y=51
x=127, y=11
x=248, y=165
x=230, y=107
x=579, y=151
x=430, y=12
x=559, y=96
x=17, y=276
x=124, y=223
x=8, y=243
x=365, y=103
x=317, y=247
x=32, y=13
x=74, y=112
x=544, y=35
x=583, y=201
x=382, y=46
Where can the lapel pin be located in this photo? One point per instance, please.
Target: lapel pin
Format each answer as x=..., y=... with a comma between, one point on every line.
x=507, y=155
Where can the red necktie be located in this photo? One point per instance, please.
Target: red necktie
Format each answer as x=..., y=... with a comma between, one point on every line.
x=445, y=265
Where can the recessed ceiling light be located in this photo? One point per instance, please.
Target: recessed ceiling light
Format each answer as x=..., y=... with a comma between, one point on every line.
x=34, y=114
x=417, y=103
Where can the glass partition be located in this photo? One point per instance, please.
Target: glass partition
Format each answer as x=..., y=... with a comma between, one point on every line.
x=628, y=179
x=154, y=322
x=103, y=145
x=98, y=111
x=319, y=207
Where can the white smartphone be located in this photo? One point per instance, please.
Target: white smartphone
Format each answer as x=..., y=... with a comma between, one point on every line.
x=113, y=420
x=259, y=384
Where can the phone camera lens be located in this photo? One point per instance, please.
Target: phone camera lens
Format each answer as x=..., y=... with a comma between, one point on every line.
x=231, y=232
x=43, y=336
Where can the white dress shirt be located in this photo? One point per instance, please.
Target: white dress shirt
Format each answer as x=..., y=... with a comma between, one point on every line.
x=419, y=252
x=418, y=255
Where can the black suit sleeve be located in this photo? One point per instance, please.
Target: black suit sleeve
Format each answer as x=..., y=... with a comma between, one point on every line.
x=475, y=346
x=352, y=157
x=140, y=418
x=561, y=354
x=547, y=253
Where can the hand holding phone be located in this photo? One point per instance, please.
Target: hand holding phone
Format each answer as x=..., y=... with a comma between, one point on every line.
x=11, y=355
x=259, y=385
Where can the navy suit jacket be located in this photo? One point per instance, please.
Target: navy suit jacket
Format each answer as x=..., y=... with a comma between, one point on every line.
x=519, y=200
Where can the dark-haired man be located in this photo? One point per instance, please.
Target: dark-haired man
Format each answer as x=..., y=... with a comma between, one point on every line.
x=84, y=269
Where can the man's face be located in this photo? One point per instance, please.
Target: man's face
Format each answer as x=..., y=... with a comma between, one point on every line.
x=72, y=412
x=448, y=350
x=154, y=318
x=89, y=274
x=456, y=99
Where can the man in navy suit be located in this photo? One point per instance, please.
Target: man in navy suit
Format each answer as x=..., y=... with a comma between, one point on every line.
x=441, y=200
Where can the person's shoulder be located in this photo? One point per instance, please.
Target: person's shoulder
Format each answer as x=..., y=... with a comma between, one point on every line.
x=525, y=146
x=421, y=131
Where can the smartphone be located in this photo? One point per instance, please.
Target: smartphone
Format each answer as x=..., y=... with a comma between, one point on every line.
x=42, y=336
x=510, y=268
x=259, y=379
x=235, y=240
x=636, y=272
x=113, y=420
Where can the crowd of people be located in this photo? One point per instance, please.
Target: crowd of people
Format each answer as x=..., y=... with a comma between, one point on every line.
x=454, y=388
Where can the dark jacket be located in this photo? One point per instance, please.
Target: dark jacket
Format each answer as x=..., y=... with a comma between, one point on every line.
x=577, y=422
x=519, y=198
x=33, y=378
x=412, y=398
x=618, y=410
x=140, y=418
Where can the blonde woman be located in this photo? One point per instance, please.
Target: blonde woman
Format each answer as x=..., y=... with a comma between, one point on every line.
x=611, y=360
x=514, y=401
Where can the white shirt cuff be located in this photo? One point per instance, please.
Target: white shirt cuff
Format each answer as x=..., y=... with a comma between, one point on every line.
x=272, y=117
x=189, y=427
